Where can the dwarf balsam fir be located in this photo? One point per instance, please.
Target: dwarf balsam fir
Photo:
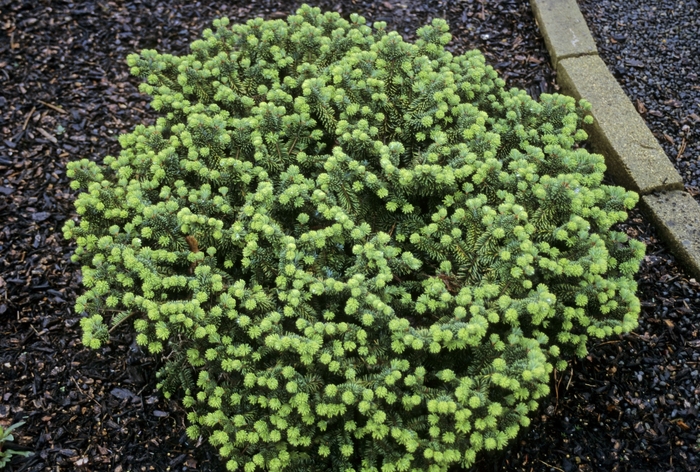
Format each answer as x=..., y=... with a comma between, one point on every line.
x=359, y=254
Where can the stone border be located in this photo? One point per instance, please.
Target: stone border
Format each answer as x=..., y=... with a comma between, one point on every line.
x=633, y=155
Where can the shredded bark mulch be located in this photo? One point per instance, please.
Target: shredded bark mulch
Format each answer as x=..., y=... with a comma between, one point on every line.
x=631, y=404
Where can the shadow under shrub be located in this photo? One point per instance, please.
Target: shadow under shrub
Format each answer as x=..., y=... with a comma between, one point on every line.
x=354, y=253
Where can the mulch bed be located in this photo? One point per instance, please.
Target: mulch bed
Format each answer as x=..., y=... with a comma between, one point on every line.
x=631, y=404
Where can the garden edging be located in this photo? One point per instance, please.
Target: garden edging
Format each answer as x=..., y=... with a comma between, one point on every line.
x=633, y=155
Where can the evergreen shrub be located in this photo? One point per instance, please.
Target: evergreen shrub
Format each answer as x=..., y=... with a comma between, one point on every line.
x=354, y=253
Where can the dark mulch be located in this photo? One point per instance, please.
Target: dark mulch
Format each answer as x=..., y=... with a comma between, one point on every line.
x=632, y=404
x=653, y=49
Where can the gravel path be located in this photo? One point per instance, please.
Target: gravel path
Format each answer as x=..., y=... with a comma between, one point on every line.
x=653, y=50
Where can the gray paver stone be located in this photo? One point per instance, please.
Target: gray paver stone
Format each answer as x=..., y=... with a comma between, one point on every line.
x=632, y=154
x=564, y=29
x=676, y=216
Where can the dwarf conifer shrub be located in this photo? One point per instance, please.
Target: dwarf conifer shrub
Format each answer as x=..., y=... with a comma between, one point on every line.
x=354, y=253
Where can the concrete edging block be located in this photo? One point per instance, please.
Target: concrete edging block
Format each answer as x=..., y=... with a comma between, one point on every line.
x=632, y=154
x=564, y=29
x=676, y=216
